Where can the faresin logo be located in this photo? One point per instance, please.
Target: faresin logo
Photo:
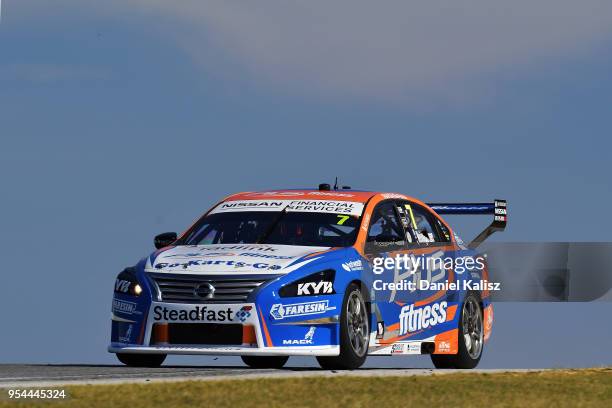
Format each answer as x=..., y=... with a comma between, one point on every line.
x=413, y=319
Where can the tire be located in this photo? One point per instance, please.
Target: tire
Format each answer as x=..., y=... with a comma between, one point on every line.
x=354, y=333
x=141, y=360
x=265, y=361
x=471, y=337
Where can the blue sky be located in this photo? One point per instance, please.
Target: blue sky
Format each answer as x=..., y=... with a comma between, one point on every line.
x=121, y=120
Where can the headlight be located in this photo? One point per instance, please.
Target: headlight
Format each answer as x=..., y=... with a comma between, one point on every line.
x=127, y=283
x=320, y=283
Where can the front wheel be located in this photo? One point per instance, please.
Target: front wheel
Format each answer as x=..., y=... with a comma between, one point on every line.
x=471, y=337
x=141, y=360
x=354, y=333
x=265, y=361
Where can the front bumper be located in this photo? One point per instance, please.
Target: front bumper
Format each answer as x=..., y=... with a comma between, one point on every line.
x=174, y=328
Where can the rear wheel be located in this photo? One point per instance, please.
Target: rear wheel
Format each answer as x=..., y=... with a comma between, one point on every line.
x=471, y=337
x=141, y=360
x=354, y=333
x=265, y=361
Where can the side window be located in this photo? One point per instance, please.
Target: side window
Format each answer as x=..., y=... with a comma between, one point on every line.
x=421, y=224
x=385, y=228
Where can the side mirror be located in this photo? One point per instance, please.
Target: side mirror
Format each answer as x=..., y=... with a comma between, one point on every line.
x=165, y=239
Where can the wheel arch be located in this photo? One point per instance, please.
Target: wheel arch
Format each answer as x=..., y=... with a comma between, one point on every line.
x=365, y=292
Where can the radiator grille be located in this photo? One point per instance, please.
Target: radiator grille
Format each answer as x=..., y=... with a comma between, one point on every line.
x=206, y=289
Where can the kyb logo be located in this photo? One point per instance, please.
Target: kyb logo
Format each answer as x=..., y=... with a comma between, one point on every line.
x=307, y=340
x=413, y=319
x=314, y=288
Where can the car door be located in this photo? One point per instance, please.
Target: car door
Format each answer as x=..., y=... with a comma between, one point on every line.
x=431, y=246
x=415, y=239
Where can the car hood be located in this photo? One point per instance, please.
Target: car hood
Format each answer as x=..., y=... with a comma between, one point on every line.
x=231, y=258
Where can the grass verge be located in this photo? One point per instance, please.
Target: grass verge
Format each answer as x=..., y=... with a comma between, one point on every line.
x=558, y=388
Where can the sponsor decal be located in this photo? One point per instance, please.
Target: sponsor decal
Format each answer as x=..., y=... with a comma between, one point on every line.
x=352, y=266
x=310, y=334
x=500, y=214
x=413, y=348
x=406, y=348
x=126, y=336
x=238, y=247
x=414, y=319
x=380, y=330
x=319, y=206
x=280, y=311
x=258, y=205
x=195, y=314
x=197, y=254
x=307, y=340
x=199, y=262
x=444, y=346
x=255, y=255
x=122, y=286
x=121, y=306
x=314, y=288
x=298, y=194
x=366, y=222
x=397, y=348
x=394, y=195
x=459, y=241
x=244, y=313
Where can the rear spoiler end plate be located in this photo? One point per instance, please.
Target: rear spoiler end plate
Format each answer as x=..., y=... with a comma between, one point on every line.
x=498, y=209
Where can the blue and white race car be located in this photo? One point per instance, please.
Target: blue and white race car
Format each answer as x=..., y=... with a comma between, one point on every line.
x=335, y=274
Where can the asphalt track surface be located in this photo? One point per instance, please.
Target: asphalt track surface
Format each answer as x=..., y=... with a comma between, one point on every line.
x=35, y=375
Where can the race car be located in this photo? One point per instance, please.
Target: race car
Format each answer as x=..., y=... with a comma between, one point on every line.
x=337, y=274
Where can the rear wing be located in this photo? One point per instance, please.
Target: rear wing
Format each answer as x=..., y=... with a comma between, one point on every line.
x=498, y=209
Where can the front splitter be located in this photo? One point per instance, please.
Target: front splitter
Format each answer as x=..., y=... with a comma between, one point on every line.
x=225, y=350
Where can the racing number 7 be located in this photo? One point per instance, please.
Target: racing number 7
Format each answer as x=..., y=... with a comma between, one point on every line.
x=342, y=219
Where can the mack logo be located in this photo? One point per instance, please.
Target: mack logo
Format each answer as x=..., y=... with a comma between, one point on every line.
x=314, y=288
x=127, y=335
x=280, y=311
x=307, y=340
x=413, y=319
x=122, y=286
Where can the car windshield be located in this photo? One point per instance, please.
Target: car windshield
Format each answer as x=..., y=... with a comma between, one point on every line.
x=275, y=227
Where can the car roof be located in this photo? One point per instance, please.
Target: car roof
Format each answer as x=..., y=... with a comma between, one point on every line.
x=287, y=194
